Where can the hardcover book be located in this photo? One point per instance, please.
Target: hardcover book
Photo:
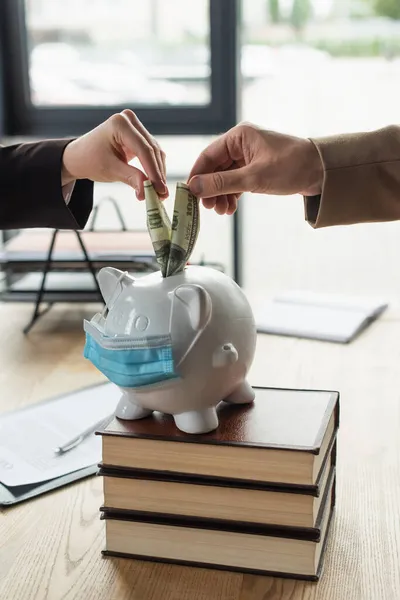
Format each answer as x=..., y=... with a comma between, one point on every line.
x=273, y=551
x=225, y=500
x=283, y=438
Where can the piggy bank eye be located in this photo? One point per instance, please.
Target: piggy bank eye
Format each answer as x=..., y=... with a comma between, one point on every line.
x=141, y=323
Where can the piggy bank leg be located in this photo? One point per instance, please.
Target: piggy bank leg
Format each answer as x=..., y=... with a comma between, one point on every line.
x=197, y=421
x=243, y=394
x=128, y=410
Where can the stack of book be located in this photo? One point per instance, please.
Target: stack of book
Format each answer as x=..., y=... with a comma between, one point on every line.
x=256, y=495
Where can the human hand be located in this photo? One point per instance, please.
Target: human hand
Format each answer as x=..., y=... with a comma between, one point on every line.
x=103, y=155
x=250, y=159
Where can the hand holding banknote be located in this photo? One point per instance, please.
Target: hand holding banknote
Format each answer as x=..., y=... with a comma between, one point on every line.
x=250, y=159
x=104, y=153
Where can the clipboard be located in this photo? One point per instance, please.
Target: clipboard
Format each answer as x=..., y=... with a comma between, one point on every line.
x=12, y=495
x=16, y=495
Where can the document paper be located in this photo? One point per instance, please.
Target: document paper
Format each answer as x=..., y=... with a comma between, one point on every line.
x=28, y=437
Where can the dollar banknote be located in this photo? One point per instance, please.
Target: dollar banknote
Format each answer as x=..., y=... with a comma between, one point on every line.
x=185, y=229
x=158, y=225
x=173, y=244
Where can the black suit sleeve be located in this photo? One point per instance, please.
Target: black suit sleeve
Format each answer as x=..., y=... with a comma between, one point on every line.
x=30, y=188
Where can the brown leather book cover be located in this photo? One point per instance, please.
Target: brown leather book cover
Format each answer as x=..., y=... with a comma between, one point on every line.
x=284, y=419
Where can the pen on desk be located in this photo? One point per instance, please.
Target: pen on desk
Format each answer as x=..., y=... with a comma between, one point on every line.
x=81, y=437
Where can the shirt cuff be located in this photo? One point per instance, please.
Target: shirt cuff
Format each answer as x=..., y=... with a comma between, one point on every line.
x=67, y=191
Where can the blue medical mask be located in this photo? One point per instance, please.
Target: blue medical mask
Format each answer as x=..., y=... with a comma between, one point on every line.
x=128, y=361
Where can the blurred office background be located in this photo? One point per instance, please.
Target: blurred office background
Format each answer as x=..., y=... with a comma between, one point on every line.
x=191, y=70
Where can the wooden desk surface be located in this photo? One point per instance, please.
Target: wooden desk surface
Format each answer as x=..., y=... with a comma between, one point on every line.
x=50, y=547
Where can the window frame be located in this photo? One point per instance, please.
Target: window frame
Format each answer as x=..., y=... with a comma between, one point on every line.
x=19, y=118
x=22, y=118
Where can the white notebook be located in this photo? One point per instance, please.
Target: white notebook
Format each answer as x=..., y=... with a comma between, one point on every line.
x=327, y=317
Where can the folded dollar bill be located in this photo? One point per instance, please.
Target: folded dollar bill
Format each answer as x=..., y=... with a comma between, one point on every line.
x=173, y=244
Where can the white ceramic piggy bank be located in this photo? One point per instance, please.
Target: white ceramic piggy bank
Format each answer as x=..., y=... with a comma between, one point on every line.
x=178, y=345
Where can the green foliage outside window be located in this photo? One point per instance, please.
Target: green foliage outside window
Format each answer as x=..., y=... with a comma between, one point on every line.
x=387, y=8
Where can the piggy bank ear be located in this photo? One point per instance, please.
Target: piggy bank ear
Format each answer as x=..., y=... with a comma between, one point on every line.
x=112, y=282
x=197, y=302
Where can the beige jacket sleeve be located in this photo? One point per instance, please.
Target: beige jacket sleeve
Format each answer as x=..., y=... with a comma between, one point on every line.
x=361, y=179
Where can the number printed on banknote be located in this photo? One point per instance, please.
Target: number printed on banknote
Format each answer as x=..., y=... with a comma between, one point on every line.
x=158, y=225
x=185, y=229
x=173, y=244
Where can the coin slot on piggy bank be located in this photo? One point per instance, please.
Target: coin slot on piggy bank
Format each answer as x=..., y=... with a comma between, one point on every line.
x=178, y=345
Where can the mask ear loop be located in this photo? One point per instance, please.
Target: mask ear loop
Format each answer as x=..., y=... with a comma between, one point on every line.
x=194, y=340
x=104, y=313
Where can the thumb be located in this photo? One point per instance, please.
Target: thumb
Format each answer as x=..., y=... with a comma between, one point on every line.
x=234, y=181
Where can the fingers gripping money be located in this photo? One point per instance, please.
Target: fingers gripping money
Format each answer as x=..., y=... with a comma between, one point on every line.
x=173, y=244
